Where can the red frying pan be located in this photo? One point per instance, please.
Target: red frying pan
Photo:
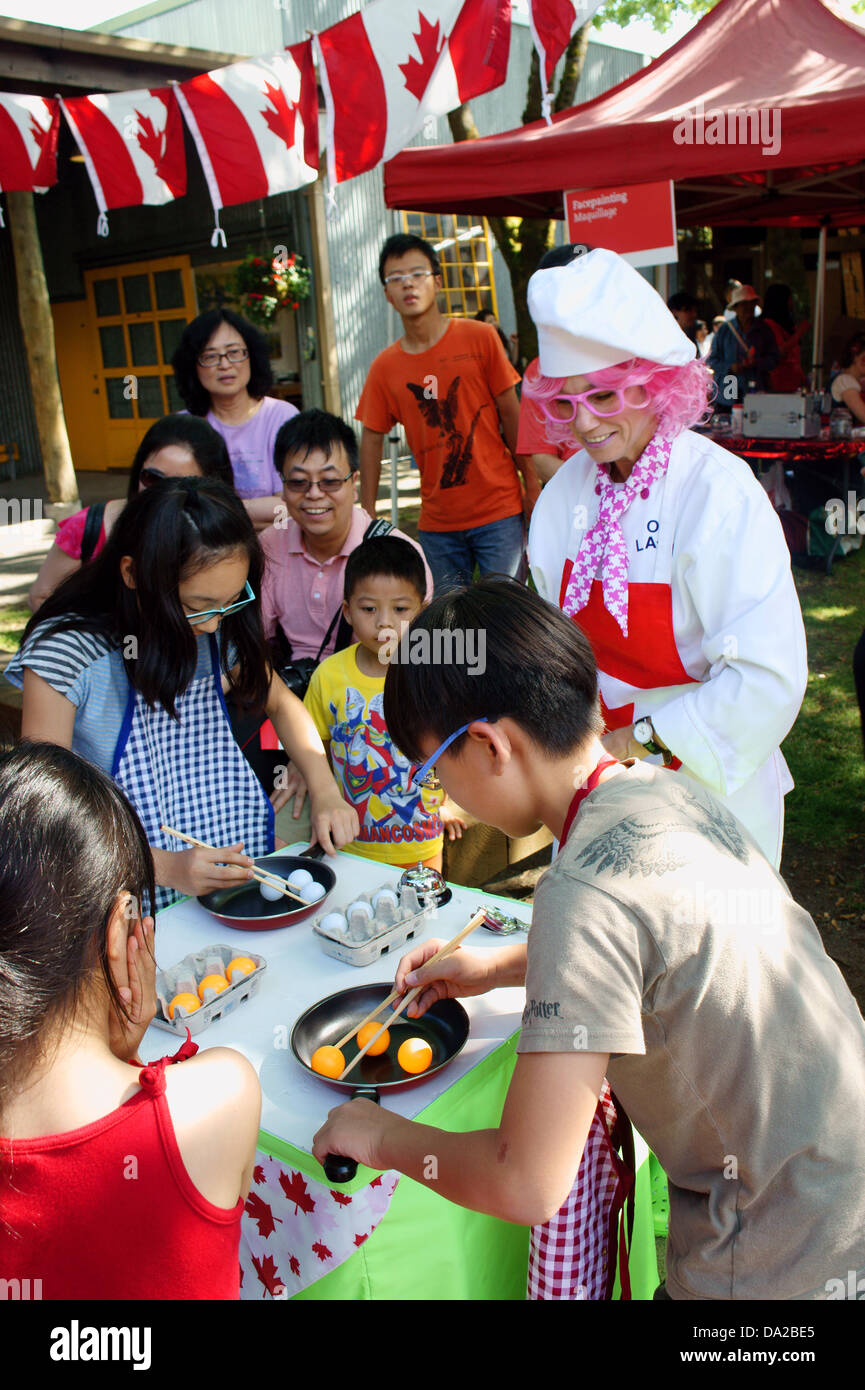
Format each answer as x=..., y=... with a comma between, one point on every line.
x=243, y=907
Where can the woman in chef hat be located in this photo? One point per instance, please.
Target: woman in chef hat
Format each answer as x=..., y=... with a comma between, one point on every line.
x=662, y=546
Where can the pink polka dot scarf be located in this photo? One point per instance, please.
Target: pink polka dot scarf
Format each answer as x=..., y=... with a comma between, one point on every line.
x=604, y=545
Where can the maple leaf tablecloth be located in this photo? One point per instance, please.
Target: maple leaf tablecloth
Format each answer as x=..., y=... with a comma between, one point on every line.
x=295, y=1230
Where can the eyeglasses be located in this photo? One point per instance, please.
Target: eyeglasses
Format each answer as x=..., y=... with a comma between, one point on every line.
x=412, y=277
x=213, y=358
x=299, y=487
x=600, y=402
x=221, y=612
x=424, y=776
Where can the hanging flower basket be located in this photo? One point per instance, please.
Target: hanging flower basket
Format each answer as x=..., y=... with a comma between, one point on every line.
x=263, y=285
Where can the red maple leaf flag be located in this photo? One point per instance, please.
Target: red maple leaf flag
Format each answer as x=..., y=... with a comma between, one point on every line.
x=321, y=1250
x=261, y=1213
x=553, y=22
x=132, y=143
x=297, y=1191
x=255, y=125
x=390, y=70
x=342, y=1199
x=29, y=127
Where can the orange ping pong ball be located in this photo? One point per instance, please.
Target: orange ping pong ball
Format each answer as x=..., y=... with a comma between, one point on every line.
x=217, y=982
x=183, y=1001
x=241, y=963
x=327, y=1061
x=368, y=1031
x=414, y=1055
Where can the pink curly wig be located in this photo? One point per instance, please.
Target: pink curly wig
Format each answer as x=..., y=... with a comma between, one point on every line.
x=678, y=396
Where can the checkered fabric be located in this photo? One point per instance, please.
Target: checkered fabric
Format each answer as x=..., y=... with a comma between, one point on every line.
x=571, y=1256
x=603, y=546
x=190, y=774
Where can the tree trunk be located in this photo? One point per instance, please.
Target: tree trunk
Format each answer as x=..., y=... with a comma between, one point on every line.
x=523, y=240
x=326, y=346
x=37, y=327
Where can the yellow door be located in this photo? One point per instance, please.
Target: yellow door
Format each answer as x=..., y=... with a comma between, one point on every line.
x=83, y=397
x=135, y=316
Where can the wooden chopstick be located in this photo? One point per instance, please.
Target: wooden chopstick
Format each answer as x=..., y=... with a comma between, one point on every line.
x=440, y=954
x=260, y=875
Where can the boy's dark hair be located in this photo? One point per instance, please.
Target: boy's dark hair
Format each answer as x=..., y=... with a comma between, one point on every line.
x=563, y=255
x=314, y=429
x=389, y=555
x=682, y=300
x=188, y=432
x=400, y=244
x=196, y=336
x=539, y=671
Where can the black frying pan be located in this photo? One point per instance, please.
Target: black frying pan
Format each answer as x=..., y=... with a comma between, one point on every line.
x=243, y=907
x=445, y=1027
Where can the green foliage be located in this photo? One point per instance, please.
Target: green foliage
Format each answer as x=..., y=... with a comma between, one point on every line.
x=661, y=13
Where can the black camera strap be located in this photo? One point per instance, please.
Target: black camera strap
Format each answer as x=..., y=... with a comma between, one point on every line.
x=373, y=532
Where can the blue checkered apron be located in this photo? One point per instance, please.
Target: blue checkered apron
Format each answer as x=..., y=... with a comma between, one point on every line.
x=190, y=774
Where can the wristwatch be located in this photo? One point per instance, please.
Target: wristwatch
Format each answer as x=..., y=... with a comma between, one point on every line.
x=645, y=734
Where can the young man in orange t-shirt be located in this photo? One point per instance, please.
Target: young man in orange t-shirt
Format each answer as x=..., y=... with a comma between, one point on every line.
x=451, y=386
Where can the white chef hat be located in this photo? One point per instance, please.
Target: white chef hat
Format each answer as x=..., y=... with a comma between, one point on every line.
x=597, y=311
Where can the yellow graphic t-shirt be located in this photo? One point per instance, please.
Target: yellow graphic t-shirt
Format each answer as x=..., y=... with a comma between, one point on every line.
x=399, y=823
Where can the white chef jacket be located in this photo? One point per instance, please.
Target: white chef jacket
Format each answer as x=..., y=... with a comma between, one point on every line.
x=708, y=530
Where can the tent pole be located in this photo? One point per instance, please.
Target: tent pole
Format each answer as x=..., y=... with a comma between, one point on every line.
x=819, y=313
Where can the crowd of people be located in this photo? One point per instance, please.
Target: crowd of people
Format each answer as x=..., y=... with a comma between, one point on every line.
x=633, y=699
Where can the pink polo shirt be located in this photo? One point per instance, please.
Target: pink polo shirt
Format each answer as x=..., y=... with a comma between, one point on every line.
x=301, y=593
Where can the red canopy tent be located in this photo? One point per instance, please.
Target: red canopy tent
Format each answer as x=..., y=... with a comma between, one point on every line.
x=776, y=89
x=794, y=57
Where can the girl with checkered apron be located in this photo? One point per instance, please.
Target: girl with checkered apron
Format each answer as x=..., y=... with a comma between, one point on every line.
x=128, y=664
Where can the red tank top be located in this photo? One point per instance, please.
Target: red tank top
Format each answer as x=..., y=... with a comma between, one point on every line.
x=109, y=1211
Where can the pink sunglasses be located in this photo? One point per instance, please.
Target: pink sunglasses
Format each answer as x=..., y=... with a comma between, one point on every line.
x=600, y=401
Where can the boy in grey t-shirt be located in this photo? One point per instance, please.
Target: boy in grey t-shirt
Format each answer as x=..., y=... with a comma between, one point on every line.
x=665, y=952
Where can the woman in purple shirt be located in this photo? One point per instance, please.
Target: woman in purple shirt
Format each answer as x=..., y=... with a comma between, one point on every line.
x=222, y=370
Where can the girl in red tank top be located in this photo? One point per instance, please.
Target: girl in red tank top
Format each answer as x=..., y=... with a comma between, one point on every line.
x=100, y=1196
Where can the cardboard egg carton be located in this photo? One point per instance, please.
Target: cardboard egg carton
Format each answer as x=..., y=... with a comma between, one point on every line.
x=185, y=976
x=390, y=926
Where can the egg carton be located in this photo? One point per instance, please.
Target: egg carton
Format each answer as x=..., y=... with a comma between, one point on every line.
x=184, y=977
x=395, y=918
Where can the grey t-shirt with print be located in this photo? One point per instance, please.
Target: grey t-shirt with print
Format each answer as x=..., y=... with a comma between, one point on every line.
x=661, y=935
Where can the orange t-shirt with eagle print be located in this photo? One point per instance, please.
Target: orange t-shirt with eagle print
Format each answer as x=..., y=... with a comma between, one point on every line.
x=445, y=400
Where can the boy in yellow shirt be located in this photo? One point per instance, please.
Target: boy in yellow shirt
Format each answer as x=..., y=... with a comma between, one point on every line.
x=399, y=823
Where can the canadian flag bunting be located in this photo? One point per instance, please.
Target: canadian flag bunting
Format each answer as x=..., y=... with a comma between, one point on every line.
x=553, y=23
x=29, y=127
x=255, y=126
x=132, y=143
x=388, y=69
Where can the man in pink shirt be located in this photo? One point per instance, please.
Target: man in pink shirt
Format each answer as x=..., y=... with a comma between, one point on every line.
x=306, y=551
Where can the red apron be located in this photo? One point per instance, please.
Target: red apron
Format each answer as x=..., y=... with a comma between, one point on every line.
x=647, y=658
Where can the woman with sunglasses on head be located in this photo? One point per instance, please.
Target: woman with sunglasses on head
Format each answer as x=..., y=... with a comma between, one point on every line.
x=123, y=665
x=662, y=546
x=222, y=370
x=177, y=446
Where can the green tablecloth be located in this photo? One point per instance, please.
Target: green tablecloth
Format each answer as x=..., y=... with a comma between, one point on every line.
x=428, y=1248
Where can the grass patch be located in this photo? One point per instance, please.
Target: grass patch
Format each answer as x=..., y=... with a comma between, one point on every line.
x=12, y=624
x=824, y=835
